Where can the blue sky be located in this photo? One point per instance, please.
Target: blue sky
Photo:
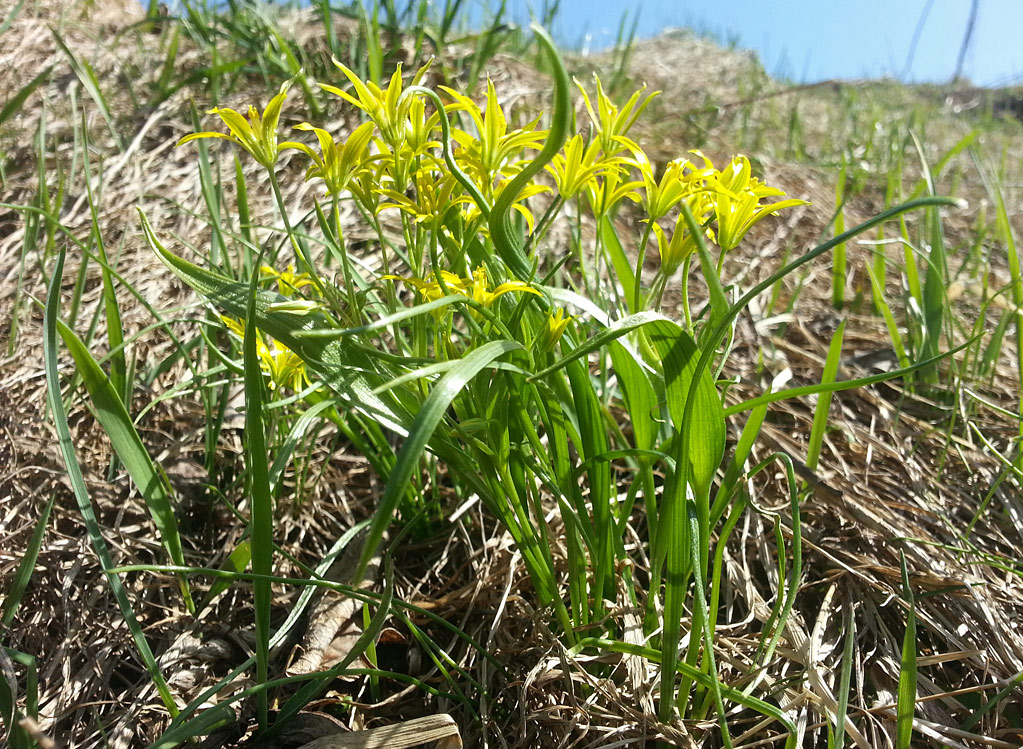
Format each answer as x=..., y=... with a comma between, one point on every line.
x=812, y=40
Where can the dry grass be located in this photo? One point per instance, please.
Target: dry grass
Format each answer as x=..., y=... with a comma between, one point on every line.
x=895, y=478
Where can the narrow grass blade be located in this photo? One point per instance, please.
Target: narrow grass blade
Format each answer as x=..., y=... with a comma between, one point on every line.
x=236, y=561
x=906, y=705
x=90, y=81
x=889, y=319
x=26, y=567
x=845, y=677
x=736, y=466
x=838, y=263
x=81, y=492
x=13, y=106
x=430, y=414
x=692, y=517
x=936, y=278
x=115, y=329
x=842, y=384
x=820, y=413
x=125, y=440
x=718, y=300
x=261, y=507
x=10, y=715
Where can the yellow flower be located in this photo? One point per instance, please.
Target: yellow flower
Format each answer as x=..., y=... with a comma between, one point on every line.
x=486, y=154
x=736, y=197
x=611, y=122
x=604, y=194
x=680, y=180
x=431, y=290
x=579, y=166
x=385, y=107
x=433, y=197
x=283, y=365
x=682, y=243
x=288, y=282
x=482, y=294
x=476, y=288
x=257, y=135
x=336, y=164
x=553, y=330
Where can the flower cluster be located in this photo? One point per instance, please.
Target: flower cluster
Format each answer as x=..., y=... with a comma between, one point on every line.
x=443, y=183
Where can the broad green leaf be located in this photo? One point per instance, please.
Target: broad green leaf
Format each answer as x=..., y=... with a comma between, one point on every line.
x=678, y=354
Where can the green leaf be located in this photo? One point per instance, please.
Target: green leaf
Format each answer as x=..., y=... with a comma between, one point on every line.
x=678, y=354
x=13, y=106
x=906, y=705
x=124, y=438
x=80, y=490
x=429, y=417
x=820, y=413
x=26, y=566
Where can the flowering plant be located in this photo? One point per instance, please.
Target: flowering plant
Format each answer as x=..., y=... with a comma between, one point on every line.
x=453, y=333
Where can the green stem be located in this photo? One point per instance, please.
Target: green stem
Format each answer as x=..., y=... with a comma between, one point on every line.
x=637, y=289
x=300, y=254
x=346, y=265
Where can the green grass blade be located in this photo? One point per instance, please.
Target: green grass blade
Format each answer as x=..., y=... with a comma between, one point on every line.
x=692, y=517
x=838, y=263
x=124, y=438
x=889, y=319
x=845, y=677
x=13, y=106
x=842, y=384
x=507, y=246
x=26, y=567
x=261, y=510
x=87, y=76
x=10, y=715
x=236, y=561
x=81, y=492
x=906, y=705
x=430, y=414
x=820, y=413
x=11, y=17
x=115, y=328
x=936, y=278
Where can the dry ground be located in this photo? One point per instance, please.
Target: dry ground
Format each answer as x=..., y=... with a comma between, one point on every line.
x=891, y=480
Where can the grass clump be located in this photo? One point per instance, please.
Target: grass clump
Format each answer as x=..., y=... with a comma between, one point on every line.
x=550, y=358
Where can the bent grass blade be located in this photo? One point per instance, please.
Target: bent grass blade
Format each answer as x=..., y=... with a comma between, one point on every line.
x=81, y=491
